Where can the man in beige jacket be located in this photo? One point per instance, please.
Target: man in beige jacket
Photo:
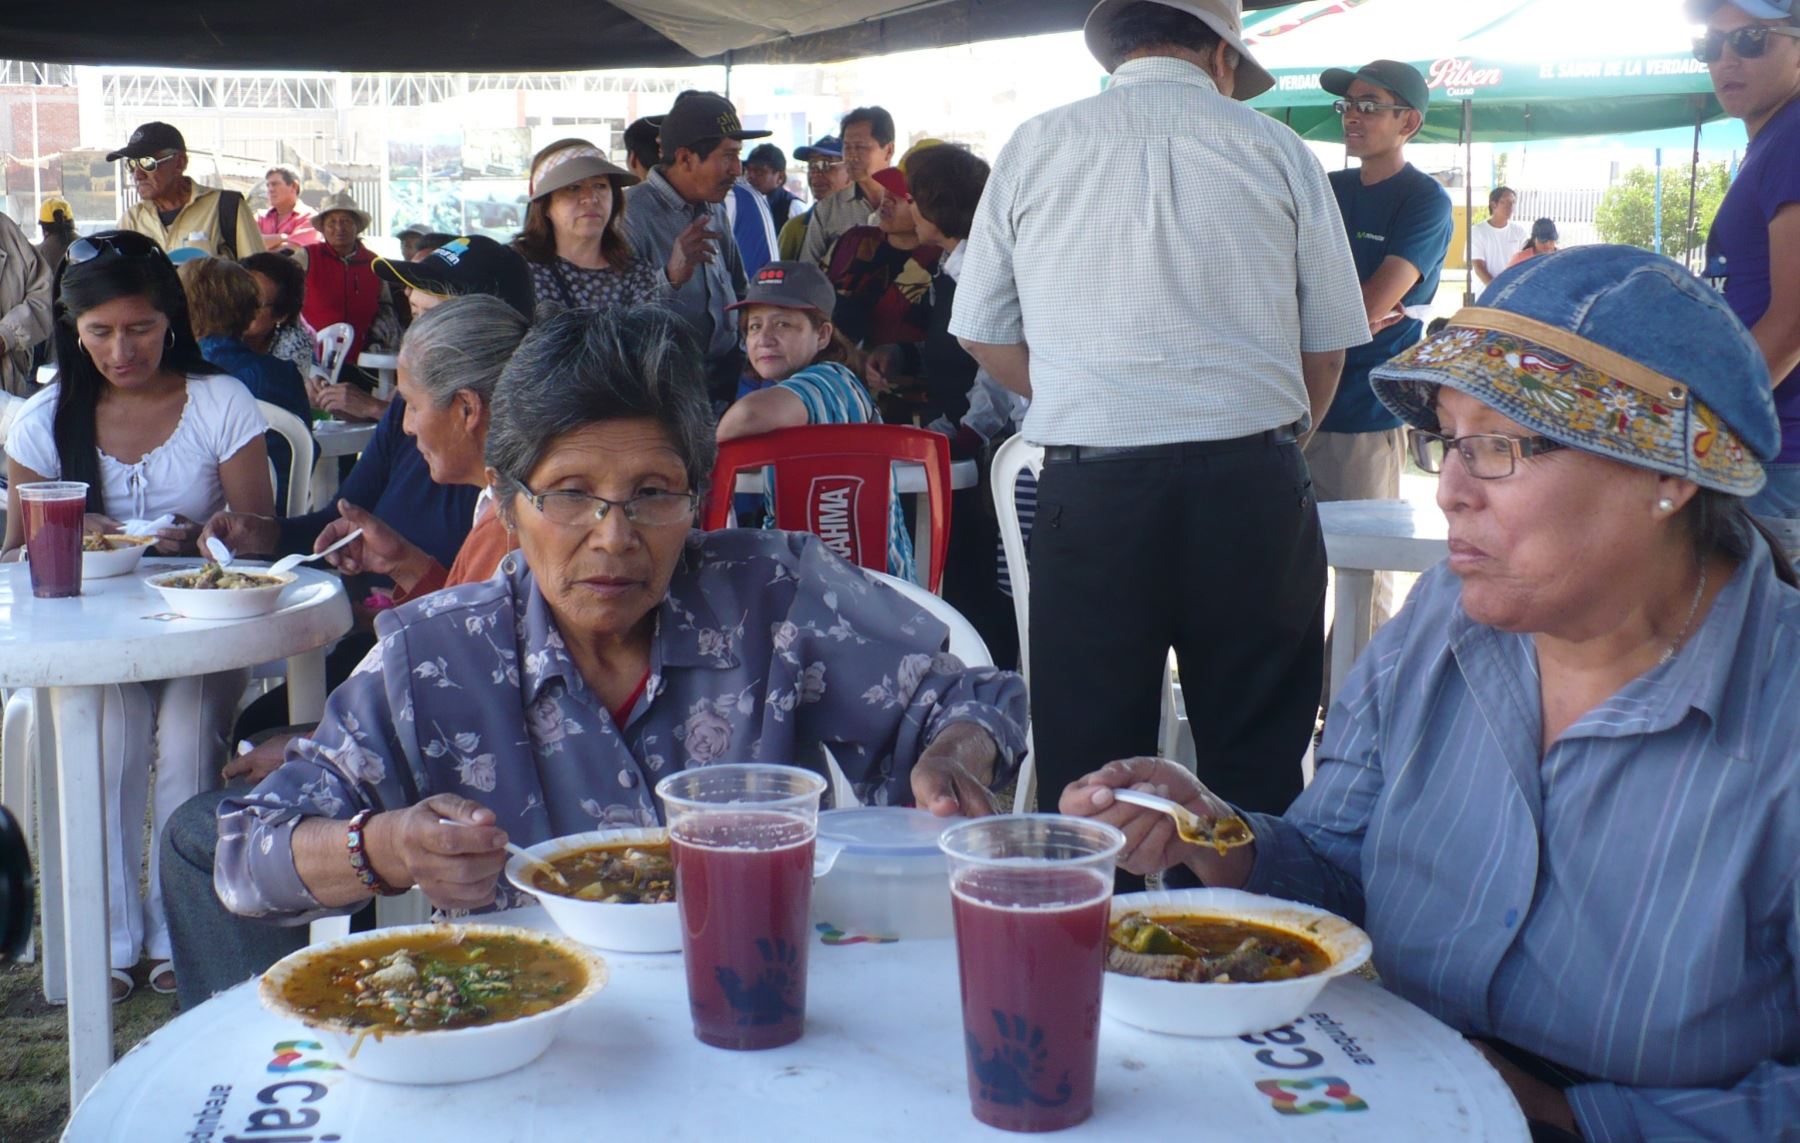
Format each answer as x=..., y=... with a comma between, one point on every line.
x=24, y=309
x=171, y=207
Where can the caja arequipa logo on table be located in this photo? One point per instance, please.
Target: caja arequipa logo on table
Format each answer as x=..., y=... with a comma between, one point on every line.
x=1287, y=1048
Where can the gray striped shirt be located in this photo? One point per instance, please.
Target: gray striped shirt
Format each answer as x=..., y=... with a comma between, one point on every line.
x=1167, y=254
x=1627, y=905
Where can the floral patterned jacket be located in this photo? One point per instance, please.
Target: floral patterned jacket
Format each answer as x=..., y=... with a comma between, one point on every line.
x=767, y=647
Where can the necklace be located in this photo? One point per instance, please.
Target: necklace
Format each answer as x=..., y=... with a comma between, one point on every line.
x=1693, y=610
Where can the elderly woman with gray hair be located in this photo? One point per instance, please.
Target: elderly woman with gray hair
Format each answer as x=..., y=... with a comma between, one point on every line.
x=615, y=646
x=1561, y=790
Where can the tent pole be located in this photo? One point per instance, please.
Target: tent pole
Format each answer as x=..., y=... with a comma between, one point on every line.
x=727, y=75
x=1656, y=232
x=1687, y=256
x=1468, y=133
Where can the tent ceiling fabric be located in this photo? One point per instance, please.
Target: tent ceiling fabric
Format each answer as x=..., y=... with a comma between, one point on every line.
x=484, y=36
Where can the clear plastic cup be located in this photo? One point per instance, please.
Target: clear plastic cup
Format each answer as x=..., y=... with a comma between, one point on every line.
x=53, y=511
x=743, y=839
x=1031, y=894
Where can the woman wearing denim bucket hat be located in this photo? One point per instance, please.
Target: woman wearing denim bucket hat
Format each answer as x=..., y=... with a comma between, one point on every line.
x=1559, y=790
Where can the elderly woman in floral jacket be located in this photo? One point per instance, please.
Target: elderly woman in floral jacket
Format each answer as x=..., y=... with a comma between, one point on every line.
x=616, y=645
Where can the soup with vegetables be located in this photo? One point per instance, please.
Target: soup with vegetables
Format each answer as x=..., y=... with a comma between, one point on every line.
x=212, y=577
x=631, y=873
x=420, y=982
x=1210, y=949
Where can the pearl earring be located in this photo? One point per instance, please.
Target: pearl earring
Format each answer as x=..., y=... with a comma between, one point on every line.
x=1665, y=505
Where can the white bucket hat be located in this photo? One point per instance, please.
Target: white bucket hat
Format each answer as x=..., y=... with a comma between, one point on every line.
x=1226, y=17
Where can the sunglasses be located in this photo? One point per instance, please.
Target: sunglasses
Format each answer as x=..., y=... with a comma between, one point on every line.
x=1746, y=43
x=821, y=166
x=118, y=244
x=149, y=163
x=1365, y=106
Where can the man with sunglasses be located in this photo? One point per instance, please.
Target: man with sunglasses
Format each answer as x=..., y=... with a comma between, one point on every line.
x=1752, y=49
x=1399, y=223
x=171, y=206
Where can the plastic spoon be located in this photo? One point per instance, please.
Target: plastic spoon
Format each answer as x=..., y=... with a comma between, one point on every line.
x=1221, y=833
x=516, y=851
x=220, y=553
x=289, y=563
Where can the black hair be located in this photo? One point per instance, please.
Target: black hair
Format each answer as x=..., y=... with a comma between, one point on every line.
x=946, y=184
x=1146, y=25
x=128, y=265
x=1494, y=195
x=640, y=143
x=288, y=175
x=289, y=279
x=1721, y=523
x=880, y=123
x=1437, y=325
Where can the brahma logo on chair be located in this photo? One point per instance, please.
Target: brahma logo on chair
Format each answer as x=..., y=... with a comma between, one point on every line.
x=831, y=505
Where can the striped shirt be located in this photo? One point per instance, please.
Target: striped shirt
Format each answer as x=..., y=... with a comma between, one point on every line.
x=1182, y=315
x=1627, y=904
x=835, y=396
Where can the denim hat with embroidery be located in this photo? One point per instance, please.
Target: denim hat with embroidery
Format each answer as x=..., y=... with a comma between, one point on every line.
x=1609, y=349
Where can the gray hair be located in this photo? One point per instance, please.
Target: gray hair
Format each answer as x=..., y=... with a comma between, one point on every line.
x=579, y=367
x=463, y=343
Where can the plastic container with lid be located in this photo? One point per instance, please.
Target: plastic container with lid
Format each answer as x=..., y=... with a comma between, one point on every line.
x=890, y=878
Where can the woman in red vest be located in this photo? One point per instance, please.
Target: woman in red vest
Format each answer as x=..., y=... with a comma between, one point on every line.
x=340, y=275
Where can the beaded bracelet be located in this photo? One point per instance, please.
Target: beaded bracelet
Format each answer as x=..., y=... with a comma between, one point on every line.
x=359, y=860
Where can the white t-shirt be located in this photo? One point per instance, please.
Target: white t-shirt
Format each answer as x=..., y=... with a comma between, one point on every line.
x=179, y=476
x=1497, y=246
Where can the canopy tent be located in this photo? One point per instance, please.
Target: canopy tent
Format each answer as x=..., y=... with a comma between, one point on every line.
x=1506, y=70
x=485, y=36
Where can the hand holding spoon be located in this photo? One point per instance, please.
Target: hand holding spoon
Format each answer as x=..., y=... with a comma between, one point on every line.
x=289, y=563
x=548, y=869
x=1222, y=834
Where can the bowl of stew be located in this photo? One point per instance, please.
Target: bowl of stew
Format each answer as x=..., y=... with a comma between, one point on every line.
x=618, y=890
x=435, y=1004
x=1221, y=962
x=103, y=557
x=213, y=592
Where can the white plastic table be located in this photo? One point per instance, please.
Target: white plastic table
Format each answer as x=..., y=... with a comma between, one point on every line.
x=909, y=480
x=882, y=1059
x=335, y=439
x=1363, y=537
x=385, y=366
x=72, y=648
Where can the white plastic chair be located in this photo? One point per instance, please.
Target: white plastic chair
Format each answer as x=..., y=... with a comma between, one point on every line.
x=1014, y=456
x=300, y=446
x=331, y=346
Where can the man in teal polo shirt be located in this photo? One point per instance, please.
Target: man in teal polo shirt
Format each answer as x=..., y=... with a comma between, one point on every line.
x=1399, y=222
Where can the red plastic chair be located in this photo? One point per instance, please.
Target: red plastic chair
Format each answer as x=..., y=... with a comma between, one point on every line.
x=835, y=482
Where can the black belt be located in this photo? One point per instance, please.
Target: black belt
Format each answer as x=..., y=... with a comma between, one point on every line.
x=1064, y=454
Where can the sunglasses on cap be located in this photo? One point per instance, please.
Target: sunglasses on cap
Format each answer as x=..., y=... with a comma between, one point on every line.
x=1747, y=43
x=149, y=163
x=118, y=244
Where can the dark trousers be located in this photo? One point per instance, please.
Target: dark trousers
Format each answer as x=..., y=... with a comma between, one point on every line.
x=1212, y=548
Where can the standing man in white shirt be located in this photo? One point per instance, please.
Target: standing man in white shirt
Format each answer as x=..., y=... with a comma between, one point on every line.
x=1175, y=362
x=1499, y=238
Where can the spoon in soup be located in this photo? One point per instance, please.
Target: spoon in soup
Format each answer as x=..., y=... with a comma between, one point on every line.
x=1222, y=834
x=532, y=860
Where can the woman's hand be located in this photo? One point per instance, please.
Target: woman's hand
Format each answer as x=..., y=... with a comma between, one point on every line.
x=1151, y=844
x=379, y=550
x=181, y=537
x=693, y=249
x=951, y=775
x=344, y=400
x=99, y=523
x=455, y=865
x=243, y=533
x=260, y=761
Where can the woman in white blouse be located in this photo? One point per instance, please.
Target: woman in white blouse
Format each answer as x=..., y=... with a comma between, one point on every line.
x=138, y=414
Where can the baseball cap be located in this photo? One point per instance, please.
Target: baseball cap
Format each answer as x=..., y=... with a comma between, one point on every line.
x=149, y=139
x=52, y=207
x=892, y=180
x=1403, y=80
x=471, y=264
x=702, y=115
x=1226, y=17
x=792, y=286
x=1543, y=230
x=418, y=228
x=1699, y=10
x=826, y=147
x=569, y=165
x=767, y=154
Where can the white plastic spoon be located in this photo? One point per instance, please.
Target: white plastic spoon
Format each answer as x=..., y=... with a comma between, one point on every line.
x=289, y=563
x=1221, y=833
x=515, y=850
x=220, y=553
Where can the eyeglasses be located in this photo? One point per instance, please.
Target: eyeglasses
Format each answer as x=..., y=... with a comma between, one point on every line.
x=149, y=163
x=1365, y=106
x=1747, y=43
x=118, y=244
x=1486, y=456
x=824, y=166
x=650, y=509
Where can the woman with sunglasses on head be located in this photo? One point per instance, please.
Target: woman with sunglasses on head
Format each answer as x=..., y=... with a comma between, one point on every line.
x=1561, y=790
x=156, y=432
x=1752, y=50
x=574, y=233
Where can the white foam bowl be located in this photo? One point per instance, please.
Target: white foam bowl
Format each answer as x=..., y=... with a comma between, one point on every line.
x=620, y=928
x=441, y=1056
x=1180, y=1008
x=220, y=603
x=121, y=560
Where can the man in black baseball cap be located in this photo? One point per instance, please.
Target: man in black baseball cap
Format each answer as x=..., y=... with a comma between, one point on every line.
x=1399, y=222
x=471, y=264
x=174, y=209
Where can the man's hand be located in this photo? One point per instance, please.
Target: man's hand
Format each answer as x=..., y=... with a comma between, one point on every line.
x=379, y=550
x=183, y=536
x=694, y=248
x=455, y=865
x=244, y=534
x=263, y=760
x=952, y=774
